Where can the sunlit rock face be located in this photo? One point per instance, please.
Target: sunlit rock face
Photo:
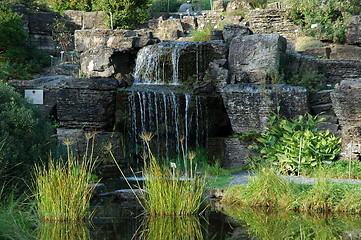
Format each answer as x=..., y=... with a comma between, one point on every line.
x=257, y=55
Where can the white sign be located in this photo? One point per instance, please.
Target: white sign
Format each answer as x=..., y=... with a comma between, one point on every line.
x=34, y=96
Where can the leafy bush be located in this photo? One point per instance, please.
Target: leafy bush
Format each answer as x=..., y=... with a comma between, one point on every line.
x=17, y=60
x=323, y=19
x=126, y=13
x=11, y=30
x=62, y=5
x=293, y=144
x=25, y=135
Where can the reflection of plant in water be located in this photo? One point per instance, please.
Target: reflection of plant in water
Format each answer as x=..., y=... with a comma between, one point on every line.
x=64, y=231
x=172, y=228
x=273, y=225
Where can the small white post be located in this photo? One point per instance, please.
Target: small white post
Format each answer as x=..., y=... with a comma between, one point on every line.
x=111, y=20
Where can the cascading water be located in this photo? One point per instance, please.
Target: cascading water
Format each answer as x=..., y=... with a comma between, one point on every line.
x=170, y=116
x=161, y=99
x=160, y=63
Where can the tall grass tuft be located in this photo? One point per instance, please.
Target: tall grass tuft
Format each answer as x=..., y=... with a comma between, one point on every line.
x=321, y=198
x=62, y=188
x=265, y=189
x=167, y=191
x=16, y=219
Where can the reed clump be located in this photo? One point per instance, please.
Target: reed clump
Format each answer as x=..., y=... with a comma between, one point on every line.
x=62, y=191
x=265, y=189
x=17, y=221
x=168, y=191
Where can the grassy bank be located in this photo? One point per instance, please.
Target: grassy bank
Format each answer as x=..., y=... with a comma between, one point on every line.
x=268, y=190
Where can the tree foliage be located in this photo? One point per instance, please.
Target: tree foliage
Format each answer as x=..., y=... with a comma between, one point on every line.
x=323, y=19
x=125, y=13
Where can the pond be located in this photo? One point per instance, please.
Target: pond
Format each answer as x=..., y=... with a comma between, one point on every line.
x=125, y=221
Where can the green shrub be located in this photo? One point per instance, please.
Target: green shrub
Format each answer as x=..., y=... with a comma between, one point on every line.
x=25, y=134
x=330, y=17
x=62, y=5
x=294, y=144
x=17, y=59
x=12, y=33
x=125, y=13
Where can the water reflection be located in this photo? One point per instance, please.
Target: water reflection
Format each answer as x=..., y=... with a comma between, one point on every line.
x=184, y=228
x=264, y=225
x=64, y=231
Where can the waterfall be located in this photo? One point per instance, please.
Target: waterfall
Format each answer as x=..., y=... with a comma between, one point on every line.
x=160, y=63
x=169, y=116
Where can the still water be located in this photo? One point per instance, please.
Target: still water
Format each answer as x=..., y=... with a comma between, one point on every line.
x=125, y=221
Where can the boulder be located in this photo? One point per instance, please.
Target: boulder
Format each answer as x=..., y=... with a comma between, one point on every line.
x=170, y=29
x=353, y=35
x=218, y=6
x=74, y=19
x=185, y=8
x=249, y=106
x=117, y=39
x=346, y=52
x=217, y=74
x=97, y=62
x=257, y=55
x=237, y=5
x=231, y=31
x=346, y=100
x=94, y=20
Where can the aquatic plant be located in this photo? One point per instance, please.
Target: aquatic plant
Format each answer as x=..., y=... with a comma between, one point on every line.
x=62, y=191
x=168, y=191
x=17, y=221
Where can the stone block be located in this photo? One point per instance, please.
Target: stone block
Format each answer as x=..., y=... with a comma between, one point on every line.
x=321, y=108
x=353, y=36
x=97, y=62
x=249, y=106
x=321, y=97
x=45, y=43
x=170, y=29
x=257, y=55
x=94, y=20
x=346, y=52
x=275, y=21
x=322, y=52
x=231, y=152
x=41, y=23
x=74, y=19
x=231, y=31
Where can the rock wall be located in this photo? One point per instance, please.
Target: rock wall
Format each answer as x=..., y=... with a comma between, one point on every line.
x=250, y=105
x=272, y=21
x=39, y=26
x=346, y=100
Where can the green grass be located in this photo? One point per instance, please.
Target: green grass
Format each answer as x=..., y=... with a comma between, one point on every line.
x=267, y=190
x=17, y=222
x=61, y=189
x=169, y=191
